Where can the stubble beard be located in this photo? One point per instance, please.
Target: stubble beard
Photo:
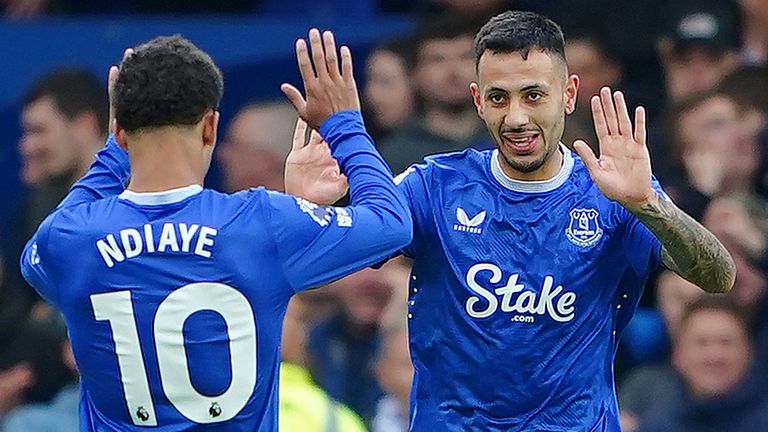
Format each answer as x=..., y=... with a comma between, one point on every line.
x=528, y=166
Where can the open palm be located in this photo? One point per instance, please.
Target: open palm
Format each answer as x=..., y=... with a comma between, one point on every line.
x=310, y=170
x=623, y=171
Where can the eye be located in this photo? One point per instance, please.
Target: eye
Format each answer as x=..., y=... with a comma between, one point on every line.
x=496, y=98
x=534, y=96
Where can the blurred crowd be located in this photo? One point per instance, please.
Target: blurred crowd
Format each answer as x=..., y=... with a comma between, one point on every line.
x=687, y=362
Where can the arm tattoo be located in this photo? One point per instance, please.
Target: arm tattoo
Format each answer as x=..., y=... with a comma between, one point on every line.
x=689, y=249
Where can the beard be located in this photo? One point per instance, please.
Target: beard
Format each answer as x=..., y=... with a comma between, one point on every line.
x=527, y=166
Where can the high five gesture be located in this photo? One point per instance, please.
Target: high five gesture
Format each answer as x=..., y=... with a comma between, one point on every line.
x=330, y=89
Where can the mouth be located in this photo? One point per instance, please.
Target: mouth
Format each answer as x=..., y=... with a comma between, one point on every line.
x=521, y=143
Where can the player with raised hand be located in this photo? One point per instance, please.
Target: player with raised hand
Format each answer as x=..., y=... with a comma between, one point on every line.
x=174, y=295
x=529, y=260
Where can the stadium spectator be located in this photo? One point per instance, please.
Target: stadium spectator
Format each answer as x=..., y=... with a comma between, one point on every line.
x=698, y=48
x=343, y=347
x=57, y=415
x=303, y=405
x=648, y=385
x=257, y=142
x=64, y=117
x=394, y=371
x=754, y=33
x=32, y=368
x=722, y=387
x=744, y=232
x=590, y=58
x=441, y=69
x=702, y=131
x=388, y=98
x=748, y=86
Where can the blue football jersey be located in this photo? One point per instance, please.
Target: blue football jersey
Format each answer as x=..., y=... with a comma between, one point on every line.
x=518, y=296
x=175, y=300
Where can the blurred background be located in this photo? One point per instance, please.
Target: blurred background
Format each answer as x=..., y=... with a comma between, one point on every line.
x=686, y=362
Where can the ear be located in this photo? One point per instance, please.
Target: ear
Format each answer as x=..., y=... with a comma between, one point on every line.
x=87, y=121
x=210, y=126
x=571, y=90
x=121, y=137
x=476, y=98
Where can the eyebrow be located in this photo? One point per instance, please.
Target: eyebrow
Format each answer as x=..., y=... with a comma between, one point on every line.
x=531, y=86
x=535, y=86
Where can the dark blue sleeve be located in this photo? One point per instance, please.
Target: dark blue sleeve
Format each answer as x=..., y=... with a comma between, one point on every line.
x=641, y=245
x=317, y=244
x=106, y=176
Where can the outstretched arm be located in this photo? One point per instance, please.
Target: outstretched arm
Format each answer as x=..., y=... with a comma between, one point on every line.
x=623, y=174
x=317, y=244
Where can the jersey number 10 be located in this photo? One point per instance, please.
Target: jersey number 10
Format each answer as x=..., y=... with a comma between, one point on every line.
x=117, y=308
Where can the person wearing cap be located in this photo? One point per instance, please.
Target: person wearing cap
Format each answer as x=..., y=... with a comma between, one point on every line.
x=699, y=47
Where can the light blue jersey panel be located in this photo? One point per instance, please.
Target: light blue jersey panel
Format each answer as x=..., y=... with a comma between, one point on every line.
x=518, y=296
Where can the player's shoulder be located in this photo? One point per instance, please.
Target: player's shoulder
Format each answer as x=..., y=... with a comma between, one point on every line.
x=467, y=158
x=466, y=163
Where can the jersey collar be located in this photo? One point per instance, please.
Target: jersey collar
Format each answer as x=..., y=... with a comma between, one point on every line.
x=536, y=186
x=163, y=197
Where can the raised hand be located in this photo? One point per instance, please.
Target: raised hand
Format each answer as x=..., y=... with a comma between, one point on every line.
x=329, y=89
x=112, y=78
x=623, y=171
x=310, y=170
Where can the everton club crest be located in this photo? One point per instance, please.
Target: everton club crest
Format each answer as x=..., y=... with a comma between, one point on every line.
x=584, y=229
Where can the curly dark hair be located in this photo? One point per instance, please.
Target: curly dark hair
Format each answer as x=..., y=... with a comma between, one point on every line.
x=167, y=81
x=519, y=31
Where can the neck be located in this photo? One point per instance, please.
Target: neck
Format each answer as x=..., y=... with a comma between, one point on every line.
x=458, y=125
x=755, y=39
x=548, y=170
x=164, y=159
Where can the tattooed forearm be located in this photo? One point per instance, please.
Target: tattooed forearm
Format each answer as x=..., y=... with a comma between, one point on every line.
x=689, y=249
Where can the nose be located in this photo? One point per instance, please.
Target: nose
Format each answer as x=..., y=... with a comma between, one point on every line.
x=516, y=117
x=27, y=145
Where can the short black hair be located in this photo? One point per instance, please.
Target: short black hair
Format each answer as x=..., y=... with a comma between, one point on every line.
x=73, y=92
x=168, y=81
x=520, y=31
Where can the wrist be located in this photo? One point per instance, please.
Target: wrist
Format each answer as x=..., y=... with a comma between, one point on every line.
x=651, y=199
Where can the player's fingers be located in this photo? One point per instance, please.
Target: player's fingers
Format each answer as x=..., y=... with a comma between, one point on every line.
x=318, y=54
x=315, y=138
x=346, y=63
x=294, y=95
x=625, y=123
x=127, y=53
x=305, y=64
x=598, y=118
x=640, y=131
x=609, y=110
x=587, y=155
x=299, y=134
x=331, y=59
